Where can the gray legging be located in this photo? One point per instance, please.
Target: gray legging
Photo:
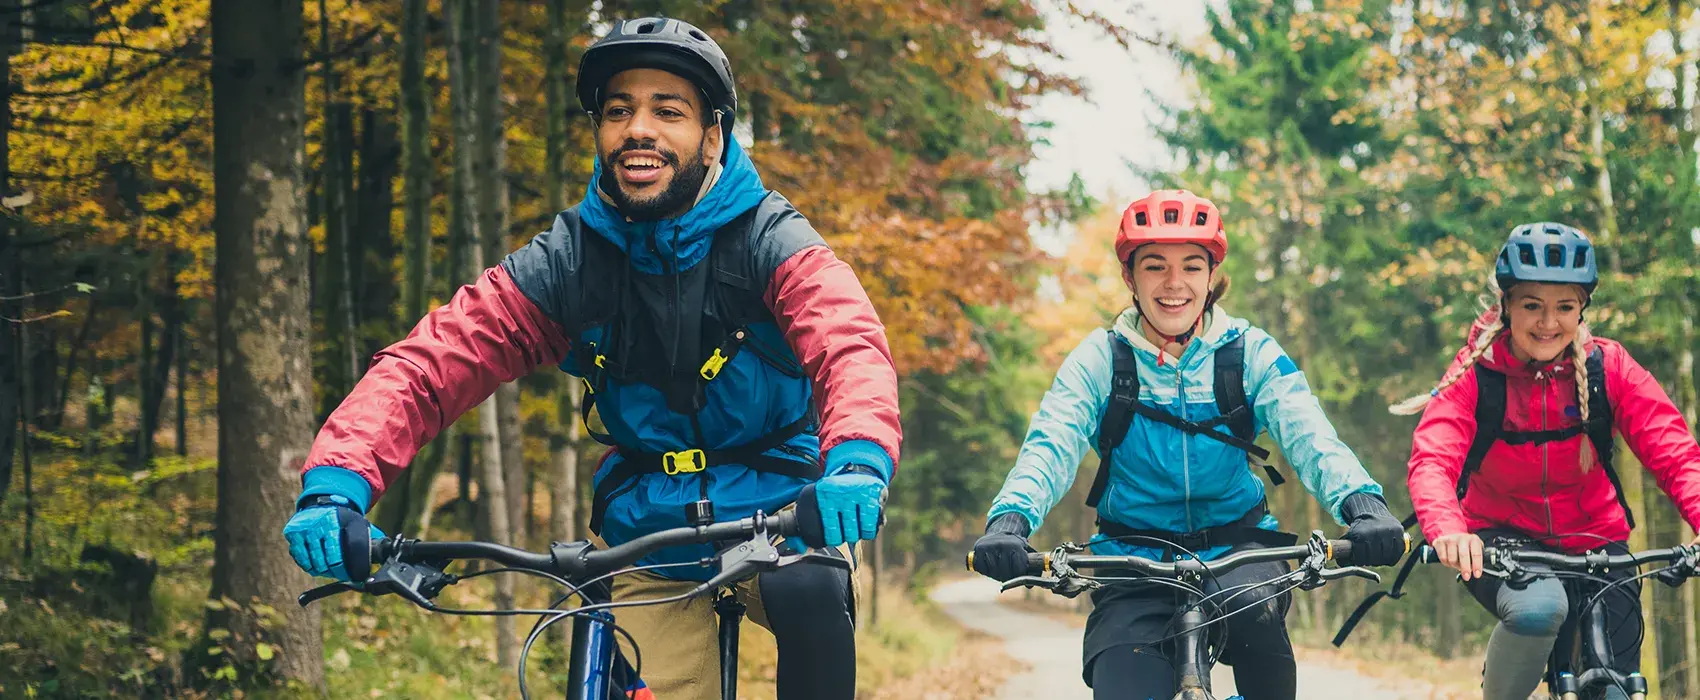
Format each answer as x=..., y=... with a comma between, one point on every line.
x=1533, y=618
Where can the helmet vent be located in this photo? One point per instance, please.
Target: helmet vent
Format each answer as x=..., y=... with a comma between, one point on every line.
x=1555, y=255
x=1526, y=254
x=1581, y=258
x=1139, y=219
x=699, y=36
x=648, y=28
x=1171, y=216
x=1201, y=218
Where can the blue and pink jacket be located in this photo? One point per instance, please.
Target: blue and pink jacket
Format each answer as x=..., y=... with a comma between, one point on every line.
x=533, y=310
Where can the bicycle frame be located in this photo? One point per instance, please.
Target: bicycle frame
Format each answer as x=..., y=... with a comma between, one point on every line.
x=1567, y=685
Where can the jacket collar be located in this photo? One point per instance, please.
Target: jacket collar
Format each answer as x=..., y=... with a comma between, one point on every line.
x=675, y=245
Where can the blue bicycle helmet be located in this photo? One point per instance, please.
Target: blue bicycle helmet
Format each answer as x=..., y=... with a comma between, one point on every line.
x=1547, y=252
x=665, y=44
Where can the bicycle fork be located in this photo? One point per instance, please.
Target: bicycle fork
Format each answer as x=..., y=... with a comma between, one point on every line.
x=1567, y=686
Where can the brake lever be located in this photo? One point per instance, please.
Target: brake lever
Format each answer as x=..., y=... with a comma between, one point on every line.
x=323, y=592
x=1046, y=582
x=1349, y=572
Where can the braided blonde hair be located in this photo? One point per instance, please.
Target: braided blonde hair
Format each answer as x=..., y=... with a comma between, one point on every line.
x=1579, y=358
x=1487, y=329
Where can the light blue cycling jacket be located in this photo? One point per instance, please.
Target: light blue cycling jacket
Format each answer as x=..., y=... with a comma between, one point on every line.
x=1161, y=478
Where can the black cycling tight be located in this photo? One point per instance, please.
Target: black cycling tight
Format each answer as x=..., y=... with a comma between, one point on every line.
x=813, y=630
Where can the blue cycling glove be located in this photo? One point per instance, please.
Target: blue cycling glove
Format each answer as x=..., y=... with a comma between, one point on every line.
x=329, y=535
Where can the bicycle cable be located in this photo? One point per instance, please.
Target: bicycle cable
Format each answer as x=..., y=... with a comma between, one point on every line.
x=544, y=621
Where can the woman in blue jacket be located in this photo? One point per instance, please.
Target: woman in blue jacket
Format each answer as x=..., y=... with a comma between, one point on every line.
x=1206, y=384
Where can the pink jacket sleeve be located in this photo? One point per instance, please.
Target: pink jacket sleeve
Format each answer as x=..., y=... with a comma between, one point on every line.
x=1655, y=430
x=829, y=322
x=1438, y=448
x=489, y=333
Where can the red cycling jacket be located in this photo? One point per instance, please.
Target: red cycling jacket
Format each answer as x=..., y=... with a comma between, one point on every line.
x=1540, y=489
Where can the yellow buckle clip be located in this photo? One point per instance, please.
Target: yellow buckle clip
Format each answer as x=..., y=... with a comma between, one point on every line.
x=711, y=368
x=600, y=359
x=686, y=462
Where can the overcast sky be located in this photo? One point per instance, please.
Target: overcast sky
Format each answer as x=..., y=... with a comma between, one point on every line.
x=1098, y=135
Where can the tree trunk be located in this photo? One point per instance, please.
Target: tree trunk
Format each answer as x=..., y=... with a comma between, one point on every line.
x=469, y=137
x=81, y=341
x=337, y=165
x=563, y=482
x=264, y=354
x=490, y=164
x=157, y=371
x=26, y=415
x=182, y=389
x=493, y=497
x=10, y=369
x=146, y=419
x=403, y=504
x=416, y=152
x=380, y=156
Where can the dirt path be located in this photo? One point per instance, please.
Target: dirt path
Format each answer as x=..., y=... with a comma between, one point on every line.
x=1052, y=647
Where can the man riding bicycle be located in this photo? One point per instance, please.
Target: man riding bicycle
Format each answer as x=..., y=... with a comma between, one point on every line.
x=736, y=366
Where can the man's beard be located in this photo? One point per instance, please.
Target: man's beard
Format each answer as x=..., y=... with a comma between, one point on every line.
x=681, y=192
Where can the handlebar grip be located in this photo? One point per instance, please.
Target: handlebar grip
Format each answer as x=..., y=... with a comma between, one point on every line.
x=784, y=523
x=1427, y=555
x=1340, y=550
x=1037, y=562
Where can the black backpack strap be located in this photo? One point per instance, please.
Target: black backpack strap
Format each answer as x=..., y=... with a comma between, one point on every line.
x=1232, y=404
x=1490, y=422
x=1600, y=421
x=1369, y=602
x=1230, y=389
x=1118, y=415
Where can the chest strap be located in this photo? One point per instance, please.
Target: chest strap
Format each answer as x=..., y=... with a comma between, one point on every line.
x=1228, y=383
x=634, y=463
x=1241, y=531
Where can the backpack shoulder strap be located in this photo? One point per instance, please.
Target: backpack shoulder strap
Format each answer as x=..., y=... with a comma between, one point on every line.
x=1231, y=401
x=1490, y=421
x=1230, y=389
x=1118, y=415
x=1599, y=426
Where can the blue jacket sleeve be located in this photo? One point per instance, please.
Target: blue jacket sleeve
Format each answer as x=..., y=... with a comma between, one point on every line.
x=1285, y=407
x=1059, y=434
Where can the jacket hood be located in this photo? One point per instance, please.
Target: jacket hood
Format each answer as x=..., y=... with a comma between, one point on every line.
x=682, y=242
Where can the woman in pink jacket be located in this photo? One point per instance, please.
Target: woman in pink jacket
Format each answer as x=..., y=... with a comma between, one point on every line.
x=1514, y=449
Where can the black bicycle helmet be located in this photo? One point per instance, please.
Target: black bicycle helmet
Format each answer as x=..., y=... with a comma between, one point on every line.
x=664, y=44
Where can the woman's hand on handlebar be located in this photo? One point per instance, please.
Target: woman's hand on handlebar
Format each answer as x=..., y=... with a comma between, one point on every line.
x=1461, y=551
x=1002, y=552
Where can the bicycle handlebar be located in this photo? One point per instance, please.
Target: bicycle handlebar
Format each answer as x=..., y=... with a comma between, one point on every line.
x=413, y=568
x=571, y=561
x=1572, y=562
x=1039, y=563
